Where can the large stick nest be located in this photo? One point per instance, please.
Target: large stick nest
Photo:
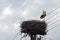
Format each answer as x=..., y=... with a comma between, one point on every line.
x=34, y=27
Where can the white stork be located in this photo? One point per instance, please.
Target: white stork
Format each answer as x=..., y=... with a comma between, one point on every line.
x=43, y=15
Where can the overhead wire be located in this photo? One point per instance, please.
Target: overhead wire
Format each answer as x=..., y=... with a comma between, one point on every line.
x=57, y=21
x=54, y=22
x=53, y=27
x=52, y=12
x=51, y=17
x=16, y=35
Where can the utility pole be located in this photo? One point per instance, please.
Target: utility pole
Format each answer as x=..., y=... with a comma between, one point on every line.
x=33, y=37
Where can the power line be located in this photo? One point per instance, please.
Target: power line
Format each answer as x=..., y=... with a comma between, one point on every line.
x=16, y=35
x=54, y=10
x=52, y=16
x=54, y=22
x=53, y=28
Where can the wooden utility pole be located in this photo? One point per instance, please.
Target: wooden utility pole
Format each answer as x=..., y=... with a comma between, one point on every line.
x=33, y=37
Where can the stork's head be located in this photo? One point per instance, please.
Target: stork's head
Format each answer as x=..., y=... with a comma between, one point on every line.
x=44, y=12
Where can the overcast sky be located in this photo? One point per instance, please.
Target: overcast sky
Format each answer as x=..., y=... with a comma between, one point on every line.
x=14, y=11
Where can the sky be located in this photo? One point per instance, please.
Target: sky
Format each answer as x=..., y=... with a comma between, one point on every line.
x=13, y=12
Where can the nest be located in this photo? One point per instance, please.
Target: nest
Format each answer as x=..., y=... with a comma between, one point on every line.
x=34, y=27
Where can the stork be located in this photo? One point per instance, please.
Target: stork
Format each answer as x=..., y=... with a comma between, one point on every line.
x=43, y=15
